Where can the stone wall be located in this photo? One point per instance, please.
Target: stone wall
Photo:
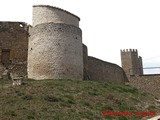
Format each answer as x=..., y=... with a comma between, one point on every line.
x=147, y=83
x=85, y=63
x=46, y=14
x=54, y=51
x=105, y=71
x=14, y=46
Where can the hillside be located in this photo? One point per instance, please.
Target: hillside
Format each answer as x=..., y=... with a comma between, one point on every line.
x=71, y=100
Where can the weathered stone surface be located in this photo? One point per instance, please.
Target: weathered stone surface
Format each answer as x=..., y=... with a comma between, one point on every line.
x=147, y=83
x=46, y=14
x=55, y=52
x=131, y=62
x=133, y=67
x=85, y=63
x=105, y=71
x=55, y=45
x=13, y=45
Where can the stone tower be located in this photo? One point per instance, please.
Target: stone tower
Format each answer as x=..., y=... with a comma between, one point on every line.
x=131, y=62
x=55, y=45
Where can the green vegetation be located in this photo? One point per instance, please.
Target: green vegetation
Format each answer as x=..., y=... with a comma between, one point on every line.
x=71, y=100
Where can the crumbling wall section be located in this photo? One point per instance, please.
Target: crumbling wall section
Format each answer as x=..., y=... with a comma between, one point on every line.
x=14, y=45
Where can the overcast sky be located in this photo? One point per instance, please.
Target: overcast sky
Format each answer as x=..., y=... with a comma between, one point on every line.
x=107, y=25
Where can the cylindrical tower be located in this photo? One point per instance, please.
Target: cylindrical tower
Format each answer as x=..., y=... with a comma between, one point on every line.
x=55, y=48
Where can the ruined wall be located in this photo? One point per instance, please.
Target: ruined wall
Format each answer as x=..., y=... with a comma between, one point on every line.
x=14, y=46
x=147, y=83
x=46, y=14
x=105, y=71
x=55, y=49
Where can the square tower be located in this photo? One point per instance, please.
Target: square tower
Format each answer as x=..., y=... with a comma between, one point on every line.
x=131, y=62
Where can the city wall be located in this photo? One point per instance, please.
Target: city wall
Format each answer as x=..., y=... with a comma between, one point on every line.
x=52, y=49
x=147, y=83
x=85, y=62
x=104, y=71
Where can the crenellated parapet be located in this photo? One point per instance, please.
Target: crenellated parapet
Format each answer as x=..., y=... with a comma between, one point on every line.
x=129, y=50
x=131, y=62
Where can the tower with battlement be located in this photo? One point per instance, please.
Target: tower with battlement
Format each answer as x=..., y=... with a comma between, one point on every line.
x=131, y=62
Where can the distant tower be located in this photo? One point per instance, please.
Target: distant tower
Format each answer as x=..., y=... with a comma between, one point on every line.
x=131, y=62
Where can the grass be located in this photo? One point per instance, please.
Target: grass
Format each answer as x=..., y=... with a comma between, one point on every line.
x=71, y=100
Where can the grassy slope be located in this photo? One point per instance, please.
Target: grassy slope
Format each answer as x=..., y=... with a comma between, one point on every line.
x=70, y=100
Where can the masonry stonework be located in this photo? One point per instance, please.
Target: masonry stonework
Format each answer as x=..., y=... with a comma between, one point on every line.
x=46, y=14
x=14, y=47
x=147, y=83
x=105, y=71
x=131, y=62
x=55, y=47
x=85, y=62
x=133, y=66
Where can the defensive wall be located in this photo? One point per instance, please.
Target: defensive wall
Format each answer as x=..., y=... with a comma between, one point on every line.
x=53, y=49
x=13, y=47
x=99, y=70
x=147, y=83
x=85, y=62
x=56, y=41
x=105, y=71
